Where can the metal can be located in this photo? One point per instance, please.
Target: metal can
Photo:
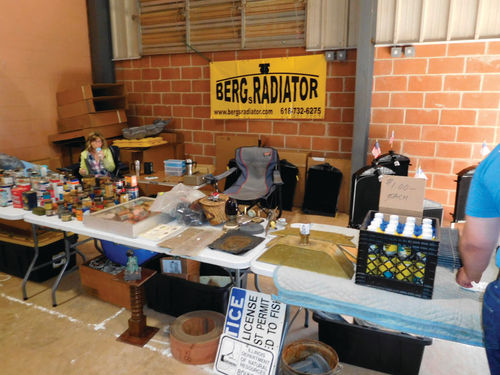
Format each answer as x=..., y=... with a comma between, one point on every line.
x=108, y=189
x=421, y=256
x=387, y=267
x=8, y=191
x=4, y=199
x=404, y=272
x=123, y=197
x=390, y=249
x=404, y=252
x=66, y=215
x=372, y=265
x=418, y=273
x=133, y=192
x=29, y=200
x=6, y=180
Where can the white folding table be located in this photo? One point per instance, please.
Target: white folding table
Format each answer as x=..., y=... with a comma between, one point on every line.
x=238, y=263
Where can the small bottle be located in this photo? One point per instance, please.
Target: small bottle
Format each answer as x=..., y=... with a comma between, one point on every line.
x=137, y=164
x=305, y=230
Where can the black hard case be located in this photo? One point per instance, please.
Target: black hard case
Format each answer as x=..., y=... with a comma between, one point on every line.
x=365, y=191
x=397, y=162
x=322, y=190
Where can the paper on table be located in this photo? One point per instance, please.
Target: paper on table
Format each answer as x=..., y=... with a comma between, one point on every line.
x=161, y=232
x=191, y=241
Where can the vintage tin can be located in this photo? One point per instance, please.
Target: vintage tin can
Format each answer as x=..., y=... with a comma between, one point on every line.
x=4, y=198
x=6, y=180
x=8, y=191
x=66, y=215
x=29, y=200
x=372, y=265
x=404, y=272
x=108, y=189
x=17, y=195
x=133, y=192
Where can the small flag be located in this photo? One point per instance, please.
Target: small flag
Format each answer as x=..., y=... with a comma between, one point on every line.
x=391, y=141
x=376, y=150
x=420, y=174
x=484, y=150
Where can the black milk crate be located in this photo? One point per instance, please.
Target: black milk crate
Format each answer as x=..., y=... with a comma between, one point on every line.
x=413, y=275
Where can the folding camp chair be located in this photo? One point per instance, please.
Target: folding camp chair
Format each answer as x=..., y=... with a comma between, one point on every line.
x=259, y=183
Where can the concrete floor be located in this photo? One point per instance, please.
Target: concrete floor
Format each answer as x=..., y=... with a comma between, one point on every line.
x=79, y=335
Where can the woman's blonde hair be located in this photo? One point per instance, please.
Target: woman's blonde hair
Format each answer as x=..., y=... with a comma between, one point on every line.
x=92, y=137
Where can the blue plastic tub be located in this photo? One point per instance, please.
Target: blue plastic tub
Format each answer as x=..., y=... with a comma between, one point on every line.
x=118, y=253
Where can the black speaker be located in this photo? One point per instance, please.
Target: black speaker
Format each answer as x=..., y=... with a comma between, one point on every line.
x=322, y=190
x=365, y=192
x=397, y=162
x=464, y=178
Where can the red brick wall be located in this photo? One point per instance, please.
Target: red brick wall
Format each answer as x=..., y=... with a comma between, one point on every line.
x=441, y=104
x=178, y=86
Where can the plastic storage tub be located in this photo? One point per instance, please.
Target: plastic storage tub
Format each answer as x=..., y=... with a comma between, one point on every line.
x=175, y=171
x=175, y=296
x=118, y=253
x=373, y=348
x=174, y=167
x=15, y=259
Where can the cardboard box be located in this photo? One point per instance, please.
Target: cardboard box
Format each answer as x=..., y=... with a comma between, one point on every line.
x=344, y=165
x=155, y=154
x=104, y=286
x=91, y=106
x=299, y=159
x=89, y=91
x=92, y=120
x=186, y=269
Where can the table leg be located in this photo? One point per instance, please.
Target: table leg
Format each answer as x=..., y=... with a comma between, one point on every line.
x=33, y=261
x=67, y=255
x=138, y=333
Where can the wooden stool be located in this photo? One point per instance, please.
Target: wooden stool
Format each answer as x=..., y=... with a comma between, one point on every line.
x=138, y=333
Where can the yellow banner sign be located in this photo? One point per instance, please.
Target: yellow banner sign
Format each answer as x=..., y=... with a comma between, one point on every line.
x=275, y=88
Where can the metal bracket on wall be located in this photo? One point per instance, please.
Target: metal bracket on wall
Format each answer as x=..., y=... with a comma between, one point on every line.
x=197, y=52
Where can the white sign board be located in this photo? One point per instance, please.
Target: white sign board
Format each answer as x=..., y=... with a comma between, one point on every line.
x=251, y=339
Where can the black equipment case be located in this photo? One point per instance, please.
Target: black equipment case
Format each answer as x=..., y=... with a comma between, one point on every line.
x=289, y=175
x=397, y=162
x=322, y=190
x=365, y=191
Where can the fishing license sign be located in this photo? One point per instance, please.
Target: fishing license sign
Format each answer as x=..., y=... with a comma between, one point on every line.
x=250, y=342
x=277, y=88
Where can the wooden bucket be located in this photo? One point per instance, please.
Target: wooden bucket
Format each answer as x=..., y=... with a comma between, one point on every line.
x=215, y=211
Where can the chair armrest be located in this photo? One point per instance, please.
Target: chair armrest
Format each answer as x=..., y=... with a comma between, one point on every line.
x=212, y=180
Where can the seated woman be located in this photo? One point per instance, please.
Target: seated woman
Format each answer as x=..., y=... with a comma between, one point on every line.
x=96, y=159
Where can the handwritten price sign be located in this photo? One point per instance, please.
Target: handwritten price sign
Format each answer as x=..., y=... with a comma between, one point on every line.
x=399, y=193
